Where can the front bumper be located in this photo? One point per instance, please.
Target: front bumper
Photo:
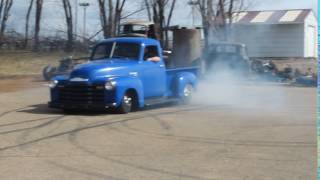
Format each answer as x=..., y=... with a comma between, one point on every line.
x=80, y=106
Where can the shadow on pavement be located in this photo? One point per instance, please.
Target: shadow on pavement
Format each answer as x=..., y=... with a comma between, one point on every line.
x=44, y=109
x=40, y=109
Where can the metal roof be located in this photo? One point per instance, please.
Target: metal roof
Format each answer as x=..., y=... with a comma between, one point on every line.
x=272, y=16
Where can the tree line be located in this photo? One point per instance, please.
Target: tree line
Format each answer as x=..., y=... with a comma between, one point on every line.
x=216, y=17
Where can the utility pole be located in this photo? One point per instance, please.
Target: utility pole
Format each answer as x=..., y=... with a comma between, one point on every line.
x=193, y=4
x=76, y=20
x=84, y=5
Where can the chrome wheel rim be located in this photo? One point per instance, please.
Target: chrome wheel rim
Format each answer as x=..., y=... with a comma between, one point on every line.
x=127, y=100
x=187, y=91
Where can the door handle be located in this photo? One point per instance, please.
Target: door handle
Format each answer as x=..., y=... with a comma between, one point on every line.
x=133, y=73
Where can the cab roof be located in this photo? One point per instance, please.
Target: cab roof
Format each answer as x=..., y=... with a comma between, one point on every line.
x=138, y=40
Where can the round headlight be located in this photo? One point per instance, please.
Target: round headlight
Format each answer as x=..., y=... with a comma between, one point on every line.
x=53, y=83
x=110, y=85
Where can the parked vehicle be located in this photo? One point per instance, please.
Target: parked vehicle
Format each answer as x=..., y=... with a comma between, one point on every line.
x=227, y=56
x=120, y=76
x=64, y=67
x=137, y=28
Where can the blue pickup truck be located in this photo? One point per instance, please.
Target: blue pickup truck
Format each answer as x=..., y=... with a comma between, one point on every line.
x=119, y=75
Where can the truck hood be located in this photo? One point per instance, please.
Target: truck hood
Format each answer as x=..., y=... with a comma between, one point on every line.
x=102, y=69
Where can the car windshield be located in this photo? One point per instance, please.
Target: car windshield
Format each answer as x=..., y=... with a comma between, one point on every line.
x=116, y=50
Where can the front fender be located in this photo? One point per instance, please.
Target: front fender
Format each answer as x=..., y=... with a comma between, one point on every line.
x=182, y=79
x=125, y=83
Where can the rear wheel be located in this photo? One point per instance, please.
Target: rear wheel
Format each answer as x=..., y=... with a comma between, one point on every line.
x=126, y=104
x=187, y=94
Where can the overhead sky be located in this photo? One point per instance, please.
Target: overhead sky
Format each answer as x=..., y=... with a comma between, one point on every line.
x=287, y=4
x=53, y=16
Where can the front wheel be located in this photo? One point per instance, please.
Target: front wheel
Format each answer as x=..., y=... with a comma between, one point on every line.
x=187, y=94
x=126, y=104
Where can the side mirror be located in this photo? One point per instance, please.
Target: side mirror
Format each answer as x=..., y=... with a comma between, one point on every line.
x=166, y=52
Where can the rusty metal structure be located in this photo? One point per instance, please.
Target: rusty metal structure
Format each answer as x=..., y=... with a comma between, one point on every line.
x=186, y=46
x=137, y=28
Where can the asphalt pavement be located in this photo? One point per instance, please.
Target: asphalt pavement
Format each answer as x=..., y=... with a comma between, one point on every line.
x=207, y=139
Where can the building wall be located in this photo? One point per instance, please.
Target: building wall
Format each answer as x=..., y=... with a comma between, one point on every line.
x=311, y=38
x=277, y=40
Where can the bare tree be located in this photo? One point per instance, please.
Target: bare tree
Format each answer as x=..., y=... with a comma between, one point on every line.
x=103, y=18
x=158, y=7
x=110, y=18
x=162, y=18
x=1, y=7
x=206, y=11
x=147, y=4
x=173, y=3
x=117, y=15
x=5, y=7
x=110, y=22
x=217, y=17
x=39, y=4
x=26, y=37
x=68, y=15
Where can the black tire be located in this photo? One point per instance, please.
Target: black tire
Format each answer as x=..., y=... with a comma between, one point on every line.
x=187, y=93
x=48, y=72
x=126, y=104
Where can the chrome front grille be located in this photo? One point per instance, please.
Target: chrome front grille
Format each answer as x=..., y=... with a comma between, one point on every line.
x=84, y=94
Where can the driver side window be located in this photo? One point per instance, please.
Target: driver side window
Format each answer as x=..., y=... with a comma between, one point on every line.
x=150, y=52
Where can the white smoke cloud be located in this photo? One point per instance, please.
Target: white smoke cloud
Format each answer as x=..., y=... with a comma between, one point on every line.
x=225, y=87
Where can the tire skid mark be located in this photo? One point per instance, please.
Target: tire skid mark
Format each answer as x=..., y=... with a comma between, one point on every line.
x=132, y=165
x=65, y=133
x=193, y=139
x=95, y=125
x=187, y=139
x=164, y=125
x=72, y=137
x=118, y=130
x=52, y=120
x=11, y=111
x=24, y=136
x=24, y=122
x=265, y=159
x=247, y=129
x=84, y=171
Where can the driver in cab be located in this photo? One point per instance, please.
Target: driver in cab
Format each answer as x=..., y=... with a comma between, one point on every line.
x=151, y=54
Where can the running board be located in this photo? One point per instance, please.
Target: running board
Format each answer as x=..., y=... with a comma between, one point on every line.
x=158, y=101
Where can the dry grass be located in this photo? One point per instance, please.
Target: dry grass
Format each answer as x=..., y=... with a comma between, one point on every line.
x=19, y=63
x=26, y=63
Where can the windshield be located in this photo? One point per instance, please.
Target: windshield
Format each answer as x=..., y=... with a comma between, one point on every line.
x=116, y=50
